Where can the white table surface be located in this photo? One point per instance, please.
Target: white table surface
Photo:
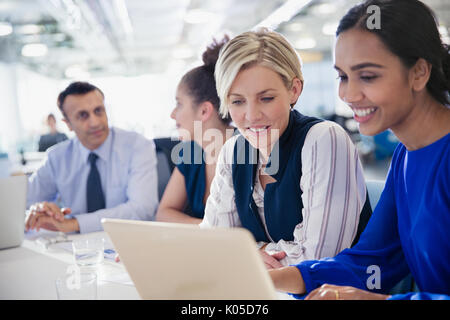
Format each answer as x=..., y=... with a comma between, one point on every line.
x=30, y=271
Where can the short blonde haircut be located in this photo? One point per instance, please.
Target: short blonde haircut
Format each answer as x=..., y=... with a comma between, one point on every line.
x=261, y=47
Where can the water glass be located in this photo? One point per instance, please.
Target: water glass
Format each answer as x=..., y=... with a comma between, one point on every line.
x=88, y=252
x=77, y=286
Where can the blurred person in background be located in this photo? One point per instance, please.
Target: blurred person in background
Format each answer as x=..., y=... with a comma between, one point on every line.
x=196, y=103
x=51, y=138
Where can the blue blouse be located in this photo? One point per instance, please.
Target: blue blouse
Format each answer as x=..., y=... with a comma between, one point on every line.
x=192, y=166
x=409, y=231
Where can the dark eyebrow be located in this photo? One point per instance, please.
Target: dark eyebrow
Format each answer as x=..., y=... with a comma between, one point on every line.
x=362, y=66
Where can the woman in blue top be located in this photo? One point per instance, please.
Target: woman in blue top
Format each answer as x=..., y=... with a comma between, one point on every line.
x=203, y=132
x=393, y=77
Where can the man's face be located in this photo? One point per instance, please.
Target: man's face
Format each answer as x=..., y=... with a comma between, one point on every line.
x=85, y=115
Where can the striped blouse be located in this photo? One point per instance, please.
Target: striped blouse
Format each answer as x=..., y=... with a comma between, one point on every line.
x=333, y=195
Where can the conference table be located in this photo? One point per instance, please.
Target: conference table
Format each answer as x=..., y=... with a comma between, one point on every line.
x=30, y=271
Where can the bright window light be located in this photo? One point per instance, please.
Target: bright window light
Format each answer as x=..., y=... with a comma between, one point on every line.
x=330, y=28
x=305, y=43
x=5, y=28
x=324, y=9
x=197, y=16
x=76, y=72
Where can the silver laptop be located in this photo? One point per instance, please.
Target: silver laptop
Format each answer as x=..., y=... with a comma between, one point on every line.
x=13, y=202
x=179, y=261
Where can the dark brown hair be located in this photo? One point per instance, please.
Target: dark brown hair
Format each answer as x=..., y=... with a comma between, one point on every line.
x=408, y=28
x=79, y=88
x=200, y=82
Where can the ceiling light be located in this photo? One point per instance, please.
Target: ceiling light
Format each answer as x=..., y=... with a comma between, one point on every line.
x=330, y=28
x=5, y=28
x=324, y=9
x=197, y=16
x=284, y=13
x=29, y=29
x=123, y=16
x=294, y=27
x=34, y=50
x=305, y=43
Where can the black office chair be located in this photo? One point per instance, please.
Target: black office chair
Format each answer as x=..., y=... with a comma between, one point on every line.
x=165, y=164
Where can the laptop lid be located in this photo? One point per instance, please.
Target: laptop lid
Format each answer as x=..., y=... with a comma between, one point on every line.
x=13, y=198
x=180, y=261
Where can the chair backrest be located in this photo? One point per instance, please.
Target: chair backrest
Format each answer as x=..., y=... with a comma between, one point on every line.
x=374, y=188
x=165, y=164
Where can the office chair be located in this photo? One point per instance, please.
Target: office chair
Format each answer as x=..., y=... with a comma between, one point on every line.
x=374, y=188
x=165, y=164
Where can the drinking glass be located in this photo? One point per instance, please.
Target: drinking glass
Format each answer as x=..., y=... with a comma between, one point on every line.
x=77, y=286
x=88, y=252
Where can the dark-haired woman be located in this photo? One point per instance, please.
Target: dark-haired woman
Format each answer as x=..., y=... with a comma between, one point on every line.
x=203, y=132
x=393, y=77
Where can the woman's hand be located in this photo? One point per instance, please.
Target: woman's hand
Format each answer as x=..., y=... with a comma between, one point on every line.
x=272, y=261
x=332, y=292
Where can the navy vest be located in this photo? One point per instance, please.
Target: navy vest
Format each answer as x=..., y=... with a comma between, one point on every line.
x=282, y=199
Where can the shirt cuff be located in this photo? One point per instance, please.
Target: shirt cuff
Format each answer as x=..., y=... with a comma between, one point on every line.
x=310, y=285
x=89, y=222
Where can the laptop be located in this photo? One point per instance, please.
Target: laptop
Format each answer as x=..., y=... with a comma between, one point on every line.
x=13, y=200
x=174, y=261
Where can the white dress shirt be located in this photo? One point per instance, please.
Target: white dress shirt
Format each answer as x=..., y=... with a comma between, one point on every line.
x=333, y=195
x=127, y=166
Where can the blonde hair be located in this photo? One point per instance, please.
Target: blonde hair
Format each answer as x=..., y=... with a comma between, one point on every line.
x=261, y=47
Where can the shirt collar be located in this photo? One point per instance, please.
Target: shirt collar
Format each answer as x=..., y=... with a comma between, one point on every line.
x=102, y=152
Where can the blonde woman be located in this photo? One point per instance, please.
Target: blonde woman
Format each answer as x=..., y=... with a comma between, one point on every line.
x=294, y=181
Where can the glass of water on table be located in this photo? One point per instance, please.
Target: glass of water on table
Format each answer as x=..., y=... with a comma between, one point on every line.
x=88, y=253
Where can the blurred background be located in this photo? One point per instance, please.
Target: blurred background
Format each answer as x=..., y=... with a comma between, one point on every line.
x=137, y=50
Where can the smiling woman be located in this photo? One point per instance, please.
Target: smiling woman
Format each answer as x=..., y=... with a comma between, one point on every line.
x=261, y=128
x=396, y=77
x=302, y=193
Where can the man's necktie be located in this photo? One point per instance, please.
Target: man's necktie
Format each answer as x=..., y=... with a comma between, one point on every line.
x=95, y=197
